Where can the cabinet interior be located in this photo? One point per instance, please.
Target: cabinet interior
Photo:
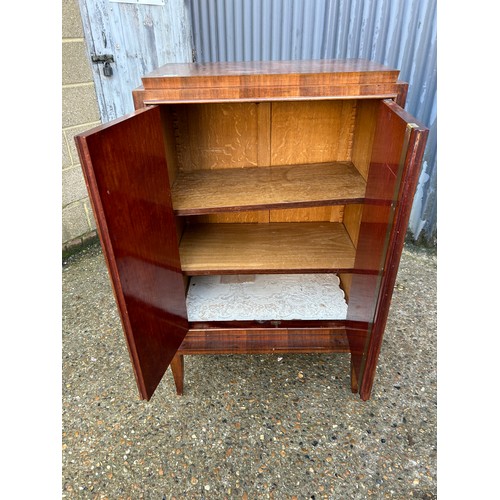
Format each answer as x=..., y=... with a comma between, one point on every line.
x=269, y=187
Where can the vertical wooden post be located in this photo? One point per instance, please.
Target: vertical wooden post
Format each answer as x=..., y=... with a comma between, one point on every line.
x=354, y=376
x=177, y=366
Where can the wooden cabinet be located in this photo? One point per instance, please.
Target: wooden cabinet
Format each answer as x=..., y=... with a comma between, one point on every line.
x=233, y=176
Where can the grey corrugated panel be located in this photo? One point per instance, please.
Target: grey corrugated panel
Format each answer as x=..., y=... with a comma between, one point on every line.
x=399, y=33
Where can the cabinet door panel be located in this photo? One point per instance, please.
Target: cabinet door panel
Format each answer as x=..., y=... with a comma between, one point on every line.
x=125, y=169
x=396, y=156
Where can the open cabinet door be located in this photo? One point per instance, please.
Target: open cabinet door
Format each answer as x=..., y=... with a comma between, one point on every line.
x=125, y=168
x=397, y=151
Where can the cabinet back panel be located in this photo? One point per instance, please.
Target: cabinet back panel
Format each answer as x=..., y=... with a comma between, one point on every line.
x=314, y=214
x=236, y=135
x=311, y=131
x=256, y=216
x=222, y=135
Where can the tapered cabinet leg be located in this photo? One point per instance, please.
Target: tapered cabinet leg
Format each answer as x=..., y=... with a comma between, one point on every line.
x=365, y=389
x=354, y=376
x=177, y=366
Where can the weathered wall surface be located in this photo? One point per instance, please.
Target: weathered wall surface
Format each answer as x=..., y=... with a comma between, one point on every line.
x=140, y=38
x=79, y=113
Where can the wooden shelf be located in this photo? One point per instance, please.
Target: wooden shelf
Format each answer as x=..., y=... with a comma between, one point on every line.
x=260, y=248
x=221, y=190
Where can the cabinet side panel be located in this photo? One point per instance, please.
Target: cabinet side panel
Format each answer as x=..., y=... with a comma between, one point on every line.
x=126, y=173
x=352, y=221
x=364, y=132
x=169, y=122
x=169, y=141
x=138, y=98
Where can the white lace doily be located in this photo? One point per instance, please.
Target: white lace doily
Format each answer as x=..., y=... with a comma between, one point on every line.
x=266, y=297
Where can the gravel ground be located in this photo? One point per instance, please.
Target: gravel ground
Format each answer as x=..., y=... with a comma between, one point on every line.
x=247, y=427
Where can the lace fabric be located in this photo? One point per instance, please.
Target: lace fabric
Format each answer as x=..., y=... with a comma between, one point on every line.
x=266, y=297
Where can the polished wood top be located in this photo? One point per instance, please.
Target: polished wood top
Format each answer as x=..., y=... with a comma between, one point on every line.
x=270, y=68
x=262, y=72
x=268, y=81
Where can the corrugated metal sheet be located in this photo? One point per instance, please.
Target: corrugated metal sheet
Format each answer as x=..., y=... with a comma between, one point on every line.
x=399, y=33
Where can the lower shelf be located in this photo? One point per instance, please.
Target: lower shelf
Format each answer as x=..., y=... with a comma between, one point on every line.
x=264, y=297
x=312, y=336
x=260, y=248
x=262, y=341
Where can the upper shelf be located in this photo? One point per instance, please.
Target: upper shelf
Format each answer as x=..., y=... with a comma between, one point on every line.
x=207, y=191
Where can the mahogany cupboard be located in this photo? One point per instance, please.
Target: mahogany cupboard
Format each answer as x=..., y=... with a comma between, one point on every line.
x=255, y=207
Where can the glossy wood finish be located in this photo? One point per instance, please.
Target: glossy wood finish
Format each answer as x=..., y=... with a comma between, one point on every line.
x=222, y=129
x=259, y=73
x=127, y=178
x=257, y=339
x=265, y=248
x=222, y=190
x=409, y=166
x=271, y=94
x=177, y=366
x=392, y=177
x=270, y=337
x=268, y=81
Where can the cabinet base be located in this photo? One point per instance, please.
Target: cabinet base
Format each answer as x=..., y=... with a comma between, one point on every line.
x=273, y=337
x=177, y=366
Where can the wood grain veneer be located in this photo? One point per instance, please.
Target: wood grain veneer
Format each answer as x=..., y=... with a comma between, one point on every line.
x=292, y=120
x=223, y=135
x=221, y=190
x=310, y=337
x=268, y=80
x=311, y=132
x=258, y=73
x=127, y=178
x=259, y=248
x=397, y=148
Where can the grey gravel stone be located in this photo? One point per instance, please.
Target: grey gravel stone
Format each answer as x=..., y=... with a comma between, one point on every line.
x=248, y=426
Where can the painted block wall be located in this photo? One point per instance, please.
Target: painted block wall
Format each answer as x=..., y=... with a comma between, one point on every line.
x=79, y=113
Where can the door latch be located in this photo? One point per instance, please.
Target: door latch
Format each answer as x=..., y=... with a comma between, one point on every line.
x=103, y=58
x=107, y=59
